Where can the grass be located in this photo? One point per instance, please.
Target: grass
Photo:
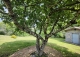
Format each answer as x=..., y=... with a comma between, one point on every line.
x=9, y=45
x=69, y=46
x=4, y=38
x=67, y=49
x=9, y=48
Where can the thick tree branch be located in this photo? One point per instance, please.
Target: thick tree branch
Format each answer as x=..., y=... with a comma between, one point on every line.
x=54, y=24
x=8, y=5
x=66, y=26
x=44, y=26
x=40, y=29
x=53, y=33
x=45, y=29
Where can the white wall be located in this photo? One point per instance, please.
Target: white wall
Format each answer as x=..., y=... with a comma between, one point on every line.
x=68, y=35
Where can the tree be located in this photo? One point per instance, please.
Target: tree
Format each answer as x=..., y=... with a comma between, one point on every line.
x=6, y=28
x=2, y=28
x=41, y=16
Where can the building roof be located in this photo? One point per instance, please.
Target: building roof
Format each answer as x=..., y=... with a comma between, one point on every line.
x=72, y=28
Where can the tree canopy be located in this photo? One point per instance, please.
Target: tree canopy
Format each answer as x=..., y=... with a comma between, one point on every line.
x=40, y=16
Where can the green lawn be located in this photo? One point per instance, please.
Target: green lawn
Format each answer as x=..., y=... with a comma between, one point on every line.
x=9, y=45
x=67, y=49
x=70, y=47
x=4, y=38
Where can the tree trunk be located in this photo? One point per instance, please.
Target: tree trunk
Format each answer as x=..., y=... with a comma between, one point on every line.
x=40, y=48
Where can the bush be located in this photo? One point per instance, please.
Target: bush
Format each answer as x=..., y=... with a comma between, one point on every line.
x=2, y=33
x=14, y=36
x=60, y=35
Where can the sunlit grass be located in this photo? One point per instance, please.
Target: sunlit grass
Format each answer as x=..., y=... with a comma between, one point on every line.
x=61, y=42
x=4, y=38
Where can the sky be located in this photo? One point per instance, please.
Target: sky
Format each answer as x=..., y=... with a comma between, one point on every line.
x=6, y=11
x=0, y=20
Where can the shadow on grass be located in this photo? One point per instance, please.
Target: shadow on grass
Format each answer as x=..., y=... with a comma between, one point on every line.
x=59, y=39
x=9, y=48
x=64, y=51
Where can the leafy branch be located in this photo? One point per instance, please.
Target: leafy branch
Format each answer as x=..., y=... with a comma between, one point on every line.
x=14, y=17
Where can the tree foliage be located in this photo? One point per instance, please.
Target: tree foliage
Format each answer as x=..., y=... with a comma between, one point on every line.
x=6, y=28
x=41, y=16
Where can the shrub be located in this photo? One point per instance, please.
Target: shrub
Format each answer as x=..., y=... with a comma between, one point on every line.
x=2, y=33
x=60, y=35
x=14, y=36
